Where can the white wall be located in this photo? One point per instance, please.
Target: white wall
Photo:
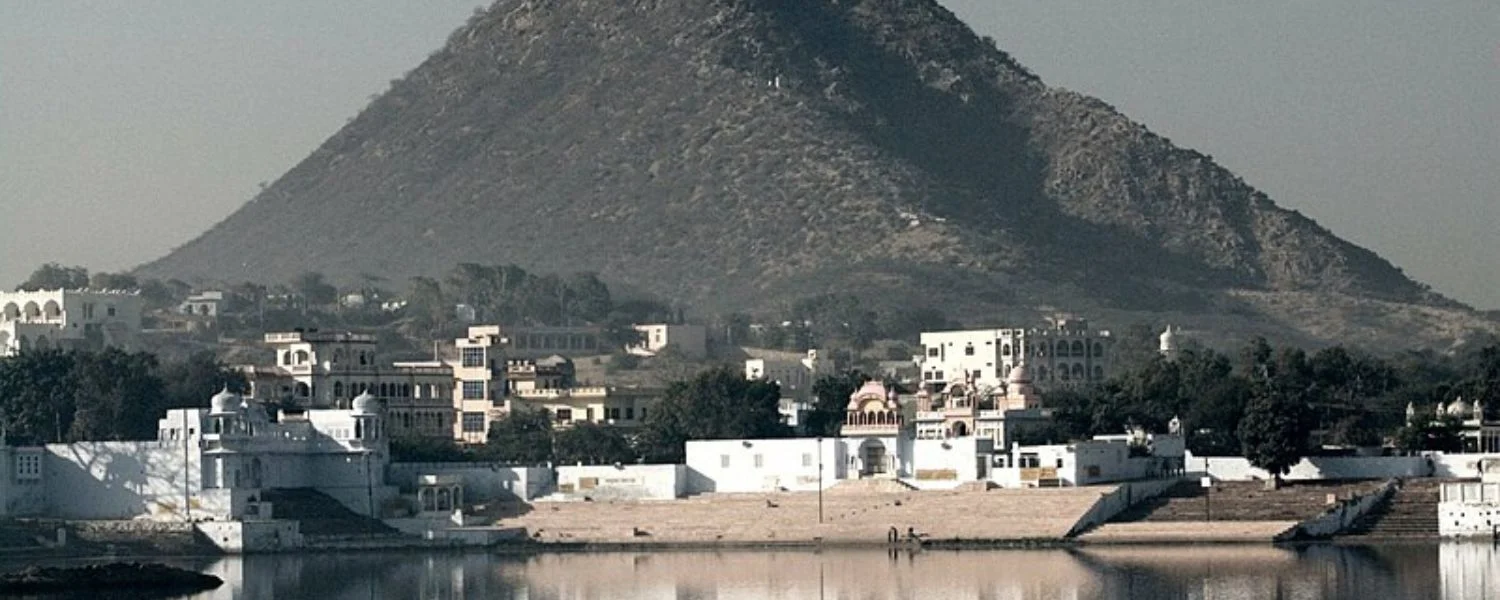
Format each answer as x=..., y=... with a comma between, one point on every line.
x=483, y=482
x=626, y=482
x=119, y=480
x=940, y=464
x=1234, y=468
x=789, y=464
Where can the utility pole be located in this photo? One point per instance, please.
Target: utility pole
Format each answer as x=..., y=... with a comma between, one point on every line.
x=187, y=469
x=820, y=480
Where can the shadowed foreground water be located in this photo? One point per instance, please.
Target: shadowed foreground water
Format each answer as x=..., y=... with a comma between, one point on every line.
x=1315, y=572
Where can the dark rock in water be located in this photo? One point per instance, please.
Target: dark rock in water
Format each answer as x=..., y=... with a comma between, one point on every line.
x=132, y=580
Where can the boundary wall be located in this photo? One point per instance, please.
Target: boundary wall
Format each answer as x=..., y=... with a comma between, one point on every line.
x=1123, y=496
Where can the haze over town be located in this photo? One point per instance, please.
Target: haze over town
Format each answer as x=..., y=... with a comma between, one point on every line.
x=135, y=128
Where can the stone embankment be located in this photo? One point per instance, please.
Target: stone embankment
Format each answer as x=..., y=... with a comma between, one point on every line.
x=1230, y=512
x=848, y=517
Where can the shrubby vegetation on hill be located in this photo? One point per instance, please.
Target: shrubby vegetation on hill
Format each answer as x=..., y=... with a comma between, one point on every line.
x=758, y=149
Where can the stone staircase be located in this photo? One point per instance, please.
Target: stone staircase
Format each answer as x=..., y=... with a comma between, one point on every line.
x=1410, y=513
x=870, y=486
x=320, y=515
x=1237, y=511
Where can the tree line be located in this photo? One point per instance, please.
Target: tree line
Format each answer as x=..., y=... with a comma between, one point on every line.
x=55, y=396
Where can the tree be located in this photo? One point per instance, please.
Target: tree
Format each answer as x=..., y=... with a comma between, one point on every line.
x=521, y=436
x=113, y=281
x=591, y=444
x=426, y=449
x=116, y=396
x=36, y=396
x=427, y=304
x=1441, y=435
x=1274, y=431
x=314, y=289
x=53, y=276
x=191, y=382
x=831, y=402
x=716, y=404
x=160, y=294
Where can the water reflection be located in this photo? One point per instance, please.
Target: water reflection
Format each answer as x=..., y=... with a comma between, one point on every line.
x=1315, y=572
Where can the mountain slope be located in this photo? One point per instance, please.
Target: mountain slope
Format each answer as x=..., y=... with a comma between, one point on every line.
x=730, y=152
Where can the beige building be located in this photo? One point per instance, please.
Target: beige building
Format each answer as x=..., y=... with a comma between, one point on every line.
x=604, y=405
x=479, y=385
x=961, y=409
x=538, y=342
x=327, y=370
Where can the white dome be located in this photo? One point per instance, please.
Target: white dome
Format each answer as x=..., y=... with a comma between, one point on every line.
x=1459, y=408
x=1019, y=374
x=365, y=404
x=223, y=403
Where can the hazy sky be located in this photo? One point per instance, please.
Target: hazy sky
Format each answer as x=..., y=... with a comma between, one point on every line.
x=127, y=128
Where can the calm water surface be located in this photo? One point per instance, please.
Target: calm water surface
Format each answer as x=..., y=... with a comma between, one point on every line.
x=1316, y=572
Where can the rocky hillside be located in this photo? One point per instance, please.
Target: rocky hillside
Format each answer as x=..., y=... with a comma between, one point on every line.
x=734, y=152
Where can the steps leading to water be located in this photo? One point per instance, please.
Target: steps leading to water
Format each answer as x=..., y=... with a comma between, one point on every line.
x=1411, y=513
x=319, y=514
x=871, y=486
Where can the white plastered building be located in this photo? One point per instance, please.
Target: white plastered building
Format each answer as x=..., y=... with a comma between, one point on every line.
x=1067, y=353
x=68, y=319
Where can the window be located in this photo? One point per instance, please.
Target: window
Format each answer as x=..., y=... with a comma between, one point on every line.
x=807, y=459
x=760, y=461
x=28, y=466
x=473, y=390
x=724, y=461
x=643, y=412
x=1005, y=350
x=630, y=412
x=474, y=422
x=564, y=414
x=110, y=310
x=969, y=350
x=473, y=357
x=1098, y=350
x=937, y=375
x=933, y=351
x=1030, y=460
x=977, y=375
x=1059, y=462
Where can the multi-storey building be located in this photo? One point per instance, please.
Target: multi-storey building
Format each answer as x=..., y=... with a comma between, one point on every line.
x=324, y=370
x=68, y=319
x=1068, y=353
x=479, y=375
x=795, y=376
x=538, y=342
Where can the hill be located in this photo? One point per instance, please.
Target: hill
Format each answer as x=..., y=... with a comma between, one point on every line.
x=730, y=153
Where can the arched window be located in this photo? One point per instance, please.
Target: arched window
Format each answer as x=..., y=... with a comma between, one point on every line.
x=1098, y=350
x=1062, y=372
x=32, y=310
x=1078, y=371
x=364, y=359
x=301, y=357
x=1005, y=350
x=1079, y=350
x=1098, y=373
x=303, y=390
x=12, y=312
x=51, y=310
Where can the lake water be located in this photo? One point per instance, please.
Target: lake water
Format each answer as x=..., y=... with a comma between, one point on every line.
x=1314, y=572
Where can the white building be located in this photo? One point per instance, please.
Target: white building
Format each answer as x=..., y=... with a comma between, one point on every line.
x=795, y=376
x=68, y=319
x=691, y=341
x=208, y=465
x=203, y=304
x=1067, y=353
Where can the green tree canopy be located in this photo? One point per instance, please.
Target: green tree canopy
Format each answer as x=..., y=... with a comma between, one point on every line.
x=831, y=402
x=592, y=444
x=52, y=276
x=521, y=436
x=716, y=404
x=1275, y=428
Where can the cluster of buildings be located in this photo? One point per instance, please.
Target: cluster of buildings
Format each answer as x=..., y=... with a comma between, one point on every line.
x=66, y=319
